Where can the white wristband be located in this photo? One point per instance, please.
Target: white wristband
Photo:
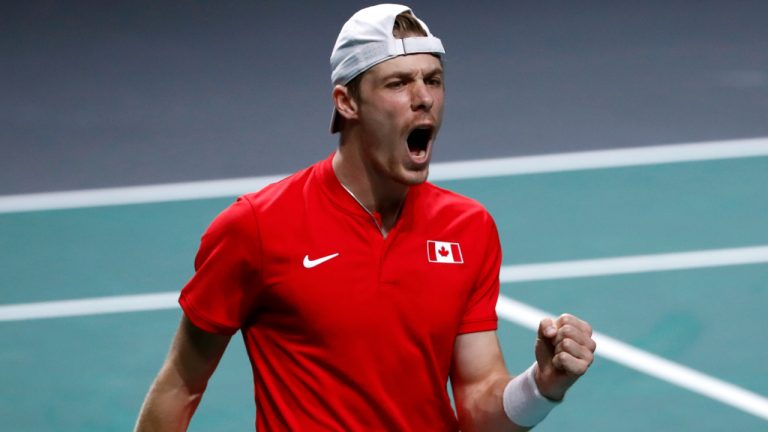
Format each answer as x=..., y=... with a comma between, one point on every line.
x=523, y=403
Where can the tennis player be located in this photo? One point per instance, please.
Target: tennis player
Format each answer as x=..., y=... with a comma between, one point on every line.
x=360, y=288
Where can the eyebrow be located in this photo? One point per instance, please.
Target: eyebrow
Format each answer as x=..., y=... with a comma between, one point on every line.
x=438, y=70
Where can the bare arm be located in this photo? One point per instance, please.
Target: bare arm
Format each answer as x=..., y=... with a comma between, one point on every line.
x=564, y=351
x=478, y=377
x=179, y=386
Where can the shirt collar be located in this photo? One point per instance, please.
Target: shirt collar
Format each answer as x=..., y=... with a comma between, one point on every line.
x=342, y=199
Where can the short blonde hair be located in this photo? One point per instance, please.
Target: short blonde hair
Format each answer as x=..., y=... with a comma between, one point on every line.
x=406, y=25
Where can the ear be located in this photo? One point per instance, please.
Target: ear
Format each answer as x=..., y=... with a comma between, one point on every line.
x=344, y=103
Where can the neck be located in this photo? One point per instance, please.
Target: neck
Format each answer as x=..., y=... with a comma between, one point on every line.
x=378, y=194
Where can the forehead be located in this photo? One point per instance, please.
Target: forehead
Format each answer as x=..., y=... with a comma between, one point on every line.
x=413, y=64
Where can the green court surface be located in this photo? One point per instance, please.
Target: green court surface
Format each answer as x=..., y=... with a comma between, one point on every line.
x=90, y=373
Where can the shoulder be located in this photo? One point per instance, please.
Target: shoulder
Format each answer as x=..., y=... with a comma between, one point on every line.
x=438, y=202
x=289, y=189
x=243, y=215
x=235, y=221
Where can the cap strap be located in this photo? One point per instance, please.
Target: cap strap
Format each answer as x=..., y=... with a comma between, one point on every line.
x=425, y=44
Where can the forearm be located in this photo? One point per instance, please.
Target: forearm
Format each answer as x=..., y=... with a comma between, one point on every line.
x=178, y=388
x=481, y=408
x=169, y=405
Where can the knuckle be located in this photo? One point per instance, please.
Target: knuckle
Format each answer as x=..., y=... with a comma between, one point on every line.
x=556, y=361
x=569, y=331
x=567, y=345
x=566, y=358
x=576, y=367
x=582, y=367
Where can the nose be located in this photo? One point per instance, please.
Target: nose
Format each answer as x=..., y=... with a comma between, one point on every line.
x=421, y=98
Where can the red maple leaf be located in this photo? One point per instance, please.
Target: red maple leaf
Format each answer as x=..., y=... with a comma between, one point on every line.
x=443, y=251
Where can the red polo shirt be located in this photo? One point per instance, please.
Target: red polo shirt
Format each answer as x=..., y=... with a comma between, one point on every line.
x=347, y=330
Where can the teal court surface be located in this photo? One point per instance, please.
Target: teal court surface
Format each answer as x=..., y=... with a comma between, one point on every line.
x=668, y=260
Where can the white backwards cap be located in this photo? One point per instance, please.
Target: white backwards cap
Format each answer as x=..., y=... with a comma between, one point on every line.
x=366, y=40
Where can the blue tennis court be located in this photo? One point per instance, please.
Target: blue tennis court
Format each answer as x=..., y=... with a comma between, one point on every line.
x=680, y=271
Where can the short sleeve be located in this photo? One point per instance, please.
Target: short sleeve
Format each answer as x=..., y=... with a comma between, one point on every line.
x=223, y=291
x=480, y=313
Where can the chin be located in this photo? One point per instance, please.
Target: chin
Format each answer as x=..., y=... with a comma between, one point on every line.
x=414, y=177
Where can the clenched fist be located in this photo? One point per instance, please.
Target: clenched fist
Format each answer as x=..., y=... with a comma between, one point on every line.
x=564, y=352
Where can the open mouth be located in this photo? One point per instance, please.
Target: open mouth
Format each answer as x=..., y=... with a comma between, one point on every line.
x=418, y=141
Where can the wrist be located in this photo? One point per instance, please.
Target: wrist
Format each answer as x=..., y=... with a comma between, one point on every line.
x=549, y=392
x=523, y=403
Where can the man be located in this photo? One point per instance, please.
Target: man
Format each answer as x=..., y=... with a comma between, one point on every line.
x=359, y=287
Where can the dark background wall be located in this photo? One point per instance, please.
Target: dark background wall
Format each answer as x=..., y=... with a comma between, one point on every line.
x=96, y=94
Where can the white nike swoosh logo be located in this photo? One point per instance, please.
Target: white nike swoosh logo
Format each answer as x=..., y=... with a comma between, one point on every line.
x=308, y=263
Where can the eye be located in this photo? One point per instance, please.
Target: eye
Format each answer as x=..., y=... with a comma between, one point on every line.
x=435, y=81
x=395, y=84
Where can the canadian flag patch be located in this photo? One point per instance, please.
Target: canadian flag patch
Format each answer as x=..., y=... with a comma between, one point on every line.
x=444, y=252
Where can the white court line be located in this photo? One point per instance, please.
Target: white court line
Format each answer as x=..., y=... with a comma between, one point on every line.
x=634, y=264
x=89, y=306
x=438, y=171
x=647, y=363
x=637, y=156
x=133, y=194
